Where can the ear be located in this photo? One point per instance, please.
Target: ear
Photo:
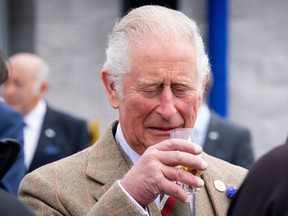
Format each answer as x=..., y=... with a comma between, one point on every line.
x=206, y=83
x=205, y=88
x=199, y=101
x=110, y=89
x=43, y=88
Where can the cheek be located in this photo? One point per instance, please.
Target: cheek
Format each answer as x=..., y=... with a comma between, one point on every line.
x=133, y=113
x=189, y=111
x=138, y=108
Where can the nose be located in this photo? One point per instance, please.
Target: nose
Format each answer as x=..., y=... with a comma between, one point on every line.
x=167, y=107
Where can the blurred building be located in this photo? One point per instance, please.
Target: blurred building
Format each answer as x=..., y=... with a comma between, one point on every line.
x=71, y=35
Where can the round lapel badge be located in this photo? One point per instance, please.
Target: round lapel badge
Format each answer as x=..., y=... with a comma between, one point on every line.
x=50, y=133
x=219, y=185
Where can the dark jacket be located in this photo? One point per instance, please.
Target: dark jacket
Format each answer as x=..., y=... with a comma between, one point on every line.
x=264, y=190
x=61, y=135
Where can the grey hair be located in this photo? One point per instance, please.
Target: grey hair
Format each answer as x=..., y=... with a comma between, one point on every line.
x=148, y=22
x=42, y=75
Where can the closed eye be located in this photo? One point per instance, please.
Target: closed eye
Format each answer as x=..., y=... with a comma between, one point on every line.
x=181, y=90
x=152, y=91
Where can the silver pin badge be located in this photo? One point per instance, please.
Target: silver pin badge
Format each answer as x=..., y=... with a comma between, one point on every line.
x=213, y=135
x=219, y=185
x=50, y=133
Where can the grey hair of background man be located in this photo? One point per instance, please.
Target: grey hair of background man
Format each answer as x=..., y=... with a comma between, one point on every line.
x=42, y=75
x=143, y=24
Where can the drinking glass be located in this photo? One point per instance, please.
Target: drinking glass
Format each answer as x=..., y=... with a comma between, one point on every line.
x=190, y=135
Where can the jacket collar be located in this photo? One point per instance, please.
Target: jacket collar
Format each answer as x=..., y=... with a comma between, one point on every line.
x=106, y=163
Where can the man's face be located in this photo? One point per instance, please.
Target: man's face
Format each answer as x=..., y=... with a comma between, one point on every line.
x=19, y=90
x=160, y=93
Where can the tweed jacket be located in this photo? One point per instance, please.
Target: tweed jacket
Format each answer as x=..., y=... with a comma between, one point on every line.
x=86, y=184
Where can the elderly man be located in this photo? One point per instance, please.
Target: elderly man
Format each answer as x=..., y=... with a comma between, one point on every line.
x=49, y=134
x=154, y=75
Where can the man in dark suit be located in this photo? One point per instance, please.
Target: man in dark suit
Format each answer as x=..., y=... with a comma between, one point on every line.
x=61, y=136
x=49, y=134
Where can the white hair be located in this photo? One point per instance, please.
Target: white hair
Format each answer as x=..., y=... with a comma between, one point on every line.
x=42, y=75
x=142, y=24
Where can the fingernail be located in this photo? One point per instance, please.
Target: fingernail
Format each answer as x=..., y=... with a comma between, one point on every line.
x=204, y=164
x=200, y=182
x=198, y=149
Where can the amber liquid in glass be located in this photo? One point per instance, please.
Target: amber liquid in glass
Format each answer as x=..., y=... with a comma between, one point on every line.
x=189, y=189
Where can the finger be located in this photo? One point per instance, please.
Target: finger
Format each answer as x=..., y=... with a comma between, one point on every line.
x=179, y=144
x=175, y=174
x=172, y=189
x=176, y=158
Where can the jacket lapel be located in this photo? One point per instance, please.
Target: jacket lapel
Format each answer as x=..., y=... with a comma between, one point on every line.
x=212, y=138
x=109, y=164
x=210, y=200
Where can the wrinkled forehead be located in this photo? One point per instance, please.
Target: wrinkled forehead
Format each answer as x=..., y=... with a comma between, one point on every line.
x=164, y=55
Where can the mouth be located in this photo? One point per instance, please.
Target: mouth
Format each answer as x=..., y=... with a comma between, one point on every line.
x=163, y=131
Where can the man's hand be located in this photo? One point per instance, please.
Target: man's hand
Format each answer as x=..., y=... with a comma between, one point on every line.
x=156, y=171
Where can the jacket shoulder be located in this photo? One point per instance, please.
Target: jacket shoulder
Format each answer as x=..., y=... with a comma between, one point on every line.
x=226, y=171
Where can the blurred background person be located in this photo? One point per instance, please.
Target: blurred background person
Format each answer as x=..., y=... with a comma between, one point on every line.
x=10, y=206
x=49, y=134
x=11, y=127
x=265, y=188
x=221, y=137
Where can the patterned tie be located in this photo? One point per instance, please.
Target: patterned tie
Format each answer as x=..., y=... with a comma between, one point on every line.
x=172, y=207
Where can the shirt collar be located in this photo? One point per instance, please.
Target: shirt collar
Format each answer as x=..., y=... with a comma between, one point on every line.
x=34, y=116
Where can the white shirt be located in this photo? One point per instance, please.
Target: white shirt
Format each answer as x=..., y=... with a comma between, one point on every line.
x=201, y=124
x=33, y=121
x=134, y=156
